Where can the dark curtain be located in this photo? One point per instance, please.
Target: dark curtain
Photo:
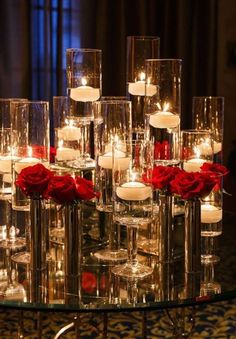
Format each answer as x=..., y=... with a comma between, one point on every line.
x=35, y=34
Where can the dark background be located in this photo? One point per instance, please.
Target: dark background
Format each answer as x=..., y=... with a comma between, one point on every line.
x=34, y=35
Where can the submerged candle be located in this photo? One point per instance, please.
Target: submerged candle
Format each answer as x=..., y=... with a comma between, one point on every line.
x=211, y=214
x=69, y=133
x=134, y=191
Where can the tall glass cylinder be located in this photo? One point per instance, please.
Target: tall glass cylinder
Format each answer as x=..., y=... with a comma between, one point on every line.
x=30, y=142
x=138, y=49
x=133, y=199
x=112, y=123
x=196, y=149
x=208, y=114
x=84, y=85
x=7, y=227
x=163, y=108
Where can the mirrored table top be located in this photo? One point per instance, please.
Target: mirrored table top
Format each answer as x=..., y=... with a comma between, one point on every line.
x=98, y=289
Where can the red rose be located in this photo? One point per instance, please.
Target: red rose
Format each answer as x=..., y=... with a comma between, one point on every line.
x=213, y=167
x=162, y=176
x=33, y=180
x=62, y=189
x=89, y=282
x=85, y=188
x=192, y=184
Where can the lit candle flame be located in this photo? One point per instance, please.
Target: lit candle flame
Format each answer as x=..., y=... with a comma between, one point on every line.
x=165, y=108
x=84, y=81
x=142, y=76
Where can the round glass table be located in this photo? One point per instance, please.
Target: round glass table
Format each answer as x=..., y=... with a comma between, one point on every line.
x=98, y=290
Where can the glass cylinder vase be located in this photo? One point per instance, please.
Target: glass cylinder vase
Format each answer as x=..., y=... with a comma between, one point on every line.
x=138, y=49
x=163, y=108
x=38, y=241
x=166, y=230
x=208, y=114
x=84, y=84
x=72, y=252
x=30, y=142
x=192, y=232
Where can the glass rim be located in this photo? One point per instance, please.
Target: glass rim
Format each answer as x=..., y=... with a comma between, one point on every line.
x=196, y=131
x=31, y=101
x=113, y=101
x=60, y=96
x=143, y=37
x=78, y=49
x=208, y=97
x=13, y=99
x=163, y=59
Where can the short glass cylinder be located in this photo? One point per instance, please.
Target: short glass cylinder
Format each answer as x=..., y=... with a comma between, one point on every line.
x=163, y=108
x=211, y=221
x=208, y=114
x=196, y=148
x=138, y=49
x=30, y=142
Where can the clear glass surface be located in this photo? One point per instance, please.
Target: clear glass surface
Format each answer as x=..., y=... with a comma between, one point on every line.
x=166, y=287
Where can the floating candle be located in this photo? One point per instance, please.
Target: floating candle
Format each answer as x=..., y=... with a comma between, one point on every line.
x=211, y=214
x=6, y=163
x=25, y=162
x=135, y=191
x=217, y=147
x=69, y=133
x=121, y=162
x=66, y=154
x=85, y=93
x=205, y=148
x=163, y=119
x=193, y=165
x=139, y=88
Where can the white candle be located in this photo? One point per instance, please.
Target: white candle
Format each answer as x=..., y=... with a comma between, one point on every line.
x=210, y=214
x=85, y=93
x=217, y=146
x=25, y=162
x=138, y=88
x=69, y=133
x=162, y=119
x=205, y=148
x=66, y=154
x=6, y=162
x=134, y=191
x=193, y=165
x=7, y=177
x=121, y=162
